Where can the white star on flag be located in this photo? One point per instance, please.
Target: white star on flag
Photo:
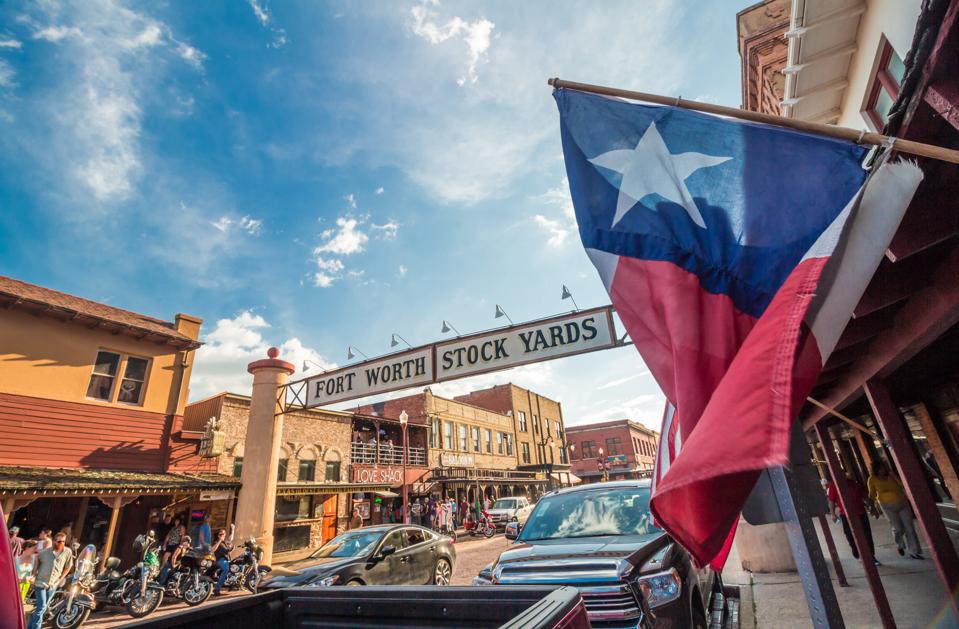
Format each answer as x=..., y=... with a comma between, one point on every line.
x=651, y=169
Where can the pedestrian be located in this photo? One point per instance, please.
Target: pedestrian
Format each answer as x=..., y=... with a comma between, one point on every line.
x=885, y=491
x=53, y=564
x=857, y=509
x=221, y=551
x=431, y=513
x=172, y=539
x=416, y=511
x=464, y=510
x=355, y=520
x=163, y=526
x=43, y=540
x=203, y=534
x=174, y=561
x=26, y=563
x=16, y=542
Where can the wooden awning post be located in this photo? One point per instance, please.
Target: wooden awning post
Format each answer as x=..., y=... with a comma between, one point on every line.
x=833, y=554
x=923, y=503
x=111, y=529
x=859, y=536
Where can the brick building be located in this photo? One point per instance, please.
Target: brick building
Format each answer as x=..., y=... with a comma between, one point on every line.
x=313, y=489
x=91, y=410
x=538, y=422
x=472, y=449
x=761, y=30
x=626, y=447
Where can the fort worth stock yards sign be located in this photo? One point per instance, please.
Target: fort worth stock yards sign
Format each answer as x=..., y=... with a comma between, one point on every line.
x=546, y=339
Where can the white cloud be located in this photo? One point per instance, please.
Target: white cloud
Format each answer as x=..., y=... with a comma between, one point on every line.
x=322, y=280
x=403, y=271
x=223, y=224
x=251, y=225
x=476, y=35
x=7, y=74
x=350, y=200
x=620, y=381
x=191, y=55
x=557, y=233
x=56, y=33
x=346, y=240
x=265, y=19
x=537, y=377
x=333, y=265
x=109, y=67
x=388, y=229
x=233, y=344
x=10, y=43
x=380, y=190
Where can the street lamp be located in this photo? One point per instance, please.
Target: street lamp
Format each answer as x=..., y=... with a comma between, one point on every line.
x=603, y=465
x=404, y=421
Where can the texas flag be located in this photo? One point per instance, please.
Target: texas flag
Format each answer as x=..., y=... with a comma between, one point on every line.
x=734, y=254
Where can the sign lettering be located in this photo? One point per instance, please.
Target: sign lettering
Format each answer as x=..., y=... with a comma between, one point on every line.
x=399, y=371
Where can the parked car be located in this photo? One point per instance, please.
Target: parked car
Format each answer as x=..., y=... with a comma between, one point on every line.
x=391, y=554
x=601, y=538
x=510, y=509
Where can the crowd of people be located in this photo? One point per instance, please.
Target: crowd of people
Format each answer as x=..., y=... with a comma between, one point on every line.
x=444, y=514
x=44, y=563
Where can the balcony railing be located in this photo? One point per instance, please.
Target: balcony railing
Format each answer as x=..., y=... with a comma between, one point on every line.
x=368, y=454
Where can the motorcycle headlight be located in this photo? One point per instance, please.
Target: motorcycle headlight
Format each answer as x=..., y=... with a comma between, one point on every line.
x=324, y=581
x=661, y=588
x=206, y=563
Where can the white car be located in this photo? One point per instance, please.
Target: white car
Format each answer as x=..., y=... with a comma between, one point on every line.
x=510, y=509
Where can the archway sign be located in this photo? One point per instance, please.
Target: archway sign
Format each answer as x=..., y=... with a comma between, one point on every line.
x=565, y=335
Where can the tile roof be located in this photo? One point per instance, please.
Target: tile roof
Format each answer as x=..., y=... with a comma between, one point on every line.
x=54, y=302
x=59, y=480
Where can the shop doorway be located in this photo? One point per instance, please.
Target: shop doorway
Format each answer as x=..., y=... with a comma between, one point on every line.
x=329, y=519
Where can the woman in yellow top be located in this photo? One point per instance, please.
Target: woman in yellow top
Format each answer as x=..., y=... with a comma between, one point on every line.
x=886, y=491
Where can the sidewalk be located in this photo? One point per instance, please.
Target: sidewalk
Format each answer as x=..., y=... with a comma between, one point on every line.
x=915, y=593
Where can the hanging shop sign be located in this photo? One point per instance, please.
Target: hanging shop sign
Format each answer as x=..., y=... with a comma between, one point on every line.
x=537, y=341
x=378, y=475
x=451, y=459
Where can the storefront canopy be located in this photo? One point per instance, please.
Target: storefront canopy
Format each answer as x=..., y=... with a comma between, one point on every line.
x=45, y=481
x=571, y=478
x=386, y=494
x=309, y=488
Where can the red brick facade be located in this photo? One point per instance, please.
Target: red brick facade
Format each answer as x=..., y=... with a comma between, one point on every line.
x=616, y=438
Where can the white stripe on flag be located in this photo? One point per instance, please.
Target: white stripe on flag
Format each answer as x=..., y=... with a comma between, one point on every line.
x=857, y=249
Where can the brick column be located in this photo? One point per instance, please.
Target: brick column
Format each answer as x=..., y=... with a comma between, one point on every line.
x=938, y=448
x=256, y=505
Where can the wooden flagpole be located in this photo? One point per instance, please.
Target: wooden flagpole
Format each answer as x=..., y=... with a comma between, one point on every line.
x=843, y=133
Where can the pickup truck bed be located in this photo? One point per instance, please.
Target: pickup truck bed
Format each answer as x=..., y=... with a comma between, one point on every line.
x=426, y=607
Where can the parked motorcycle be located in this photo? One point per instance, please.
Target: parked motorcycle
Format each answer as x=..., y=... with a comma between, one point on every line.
x=72, y=605
x=245, y=569
x=140, y=592
x=483, y=527
x=189, y=581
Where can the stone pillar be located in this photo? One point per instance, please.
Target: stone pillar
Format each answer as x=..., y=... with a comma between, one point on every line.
x=256, y=504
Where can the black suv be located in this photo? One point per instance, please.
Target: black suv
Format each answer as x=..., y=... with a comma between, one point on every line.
x=601, y=539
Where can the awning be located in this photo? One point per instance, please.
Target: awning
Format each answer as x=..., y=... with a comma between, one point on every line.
x=571, y=478
x=421, y=489
x=311, y=488
x=46, y=481
x=386, y=494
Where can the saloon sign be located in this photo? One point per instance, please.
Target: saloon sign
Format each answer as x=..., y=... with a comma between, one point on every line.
x=547, y=339
x=378, y=476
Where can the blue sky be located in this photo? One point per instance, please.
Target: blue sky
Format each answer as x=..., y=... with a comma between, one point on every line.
x=313, y=175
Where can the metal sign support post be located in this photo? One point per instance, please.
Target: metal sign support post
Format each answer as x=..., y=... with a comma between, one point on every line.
x=820, y=595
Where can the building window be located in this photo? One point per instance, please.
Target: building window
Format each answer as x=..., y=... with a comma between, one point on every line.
x=546, y=427
x=535, y=424
x=281, y=470
x=588, y=449
x=522, y=421
x=885, y=86
x=238, y=466
x=509, y=444
x=307, y=471
x=434, y=433
x=562, y=455
x=499, y=443
x=488, y=439
x=524, y=449
x=293, y=508
x=476, y=442
x=448, y=435
x=463, y=445
x=559, y=431
x=104, y=374
x=134, y=377
x=612, y=445
x=333, y=471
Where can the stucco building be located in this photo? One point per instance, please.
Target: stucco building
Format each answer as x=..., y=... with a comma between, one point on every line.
x=91, y=419
x=313, y=482
x=627, y=448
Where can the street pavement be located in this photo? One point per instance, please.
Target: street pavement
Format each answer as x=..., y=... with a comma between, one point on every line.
x=471, y=555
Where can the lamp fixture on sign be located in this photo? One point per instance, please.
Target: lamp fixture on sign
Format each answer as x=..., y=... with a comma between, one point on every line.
x=502, y=313
x=351, y=353
x=404, y=417
x=306, y=365
x=568, y=295
x=447, y=326
x=394, y=342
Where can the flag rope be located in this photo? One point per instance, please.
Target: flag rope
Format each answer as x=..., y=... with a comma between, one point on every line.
x=844, y=133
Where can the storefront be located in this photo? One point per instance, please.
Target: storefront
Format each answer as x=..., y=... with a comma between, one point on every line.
x=109, y=509
x=464, y=482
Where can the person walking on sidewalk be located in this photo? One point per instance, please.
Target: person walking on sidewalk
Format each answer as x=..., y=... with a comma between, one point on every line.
x=53, y=564
x=857, y=510
x=887, y=493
